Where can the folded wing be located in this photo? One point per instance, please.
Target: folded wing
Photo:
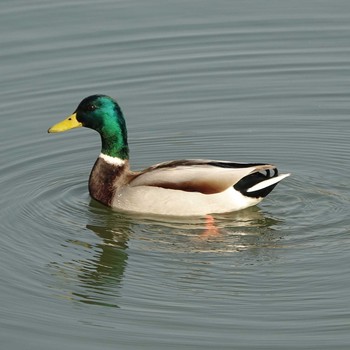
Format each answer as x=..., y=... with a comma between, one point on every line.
x=204, y=176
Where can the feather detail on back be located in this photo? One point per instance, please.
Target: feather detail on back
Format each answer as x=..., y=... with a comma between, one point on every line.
x=204, y=176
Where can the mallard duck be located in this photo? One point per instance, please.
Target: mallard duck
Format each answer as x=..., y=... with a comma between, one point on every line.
x=179, y=187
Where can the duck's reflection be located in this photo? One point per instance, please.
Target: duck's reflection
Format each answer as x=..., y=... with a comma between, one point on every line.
x=101, y=277
x=111, y=260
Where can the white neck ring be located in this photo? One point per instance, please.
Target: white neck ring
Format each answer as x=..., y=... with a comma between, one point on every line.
x=112, y=160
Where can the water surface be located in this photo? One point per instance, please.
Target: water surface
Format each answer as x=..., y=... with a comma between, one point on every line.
x=260, y=81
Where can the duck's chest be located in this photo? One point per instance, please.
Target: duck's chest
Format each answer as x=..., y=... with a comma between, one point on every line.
x=104, y=179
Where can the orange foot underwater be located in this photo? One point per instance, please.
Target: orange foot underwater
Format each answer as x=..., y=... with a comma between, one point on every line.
x=210, y=228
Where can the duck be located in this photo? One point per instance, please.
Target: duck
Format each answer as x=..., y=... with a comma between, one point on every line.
x=187, y=187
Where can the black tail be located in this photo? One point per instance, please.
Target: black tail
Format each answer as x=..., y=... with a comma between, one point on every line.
x=251, y=180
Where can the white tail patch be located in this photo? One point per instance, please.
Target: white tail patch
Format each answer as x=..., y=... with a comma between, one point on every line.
x=267, y=183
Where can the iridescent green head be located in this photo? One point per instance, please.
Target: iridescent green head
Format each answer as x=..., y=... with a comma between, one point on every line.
x=103, y=114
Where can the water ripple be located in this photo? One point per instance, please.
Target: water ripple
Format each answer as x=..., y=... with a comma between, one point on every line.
x=237, y=84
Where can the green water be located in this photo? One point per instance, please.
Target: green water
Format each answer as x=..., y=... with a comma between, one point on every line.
x=249, y=81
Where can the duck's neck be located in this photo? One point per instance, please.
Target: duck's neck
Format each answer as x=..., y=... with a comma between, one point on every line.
x=107, y=175
x=115, y=145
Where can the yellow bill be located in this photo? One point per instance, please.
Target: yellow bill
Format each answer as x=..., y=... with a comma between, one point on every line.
x=66, y=124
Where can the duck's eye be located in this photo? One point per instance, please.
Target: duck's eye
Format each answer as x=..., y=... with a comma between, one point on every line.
x=90, y=108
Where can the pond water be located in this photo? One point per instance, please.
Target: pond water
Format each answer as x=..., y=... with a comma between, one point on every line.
x=248, y=81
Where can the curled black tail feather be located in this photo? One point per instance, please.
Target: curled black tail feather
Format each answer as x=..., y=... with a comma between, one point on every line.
x=253, y=179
